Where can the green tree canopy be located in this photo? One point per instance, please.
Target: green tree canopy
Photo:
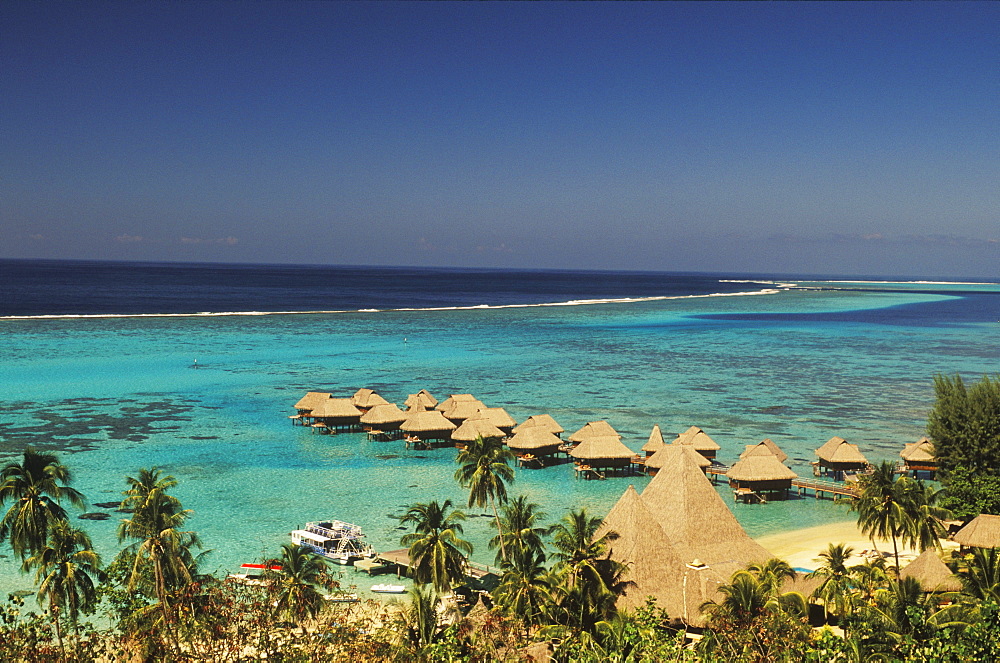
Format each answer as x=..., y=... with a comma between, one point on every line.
x=965, y=425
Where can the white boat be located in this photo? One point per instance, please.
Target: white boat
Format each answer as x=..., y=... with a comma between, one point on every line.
x=340, y=542
x=389, y=589
x=342, y=598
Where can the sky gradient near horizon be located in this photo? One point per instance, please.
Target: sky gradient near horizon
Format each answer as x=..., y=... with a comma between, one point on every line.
x=847, y=138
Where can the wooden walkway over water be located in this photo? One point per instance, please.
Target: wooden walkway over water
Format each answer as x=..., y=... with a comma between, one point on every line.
x=819, y=487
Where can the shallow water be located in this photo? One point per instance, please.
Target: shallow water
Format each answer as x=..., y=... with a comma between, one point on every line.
x=800, y=366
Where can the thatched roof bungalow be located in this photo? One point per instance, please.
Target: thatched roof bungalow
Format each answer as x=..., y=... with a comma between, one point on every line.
x=428, y=425
x=499, y=418
x=919, y=456
x=476, y=426
x=545, y=421
x=386, y=416
x=760, y=471
x=454, y=398
x=671, y=454
x=983, y=531
x=423, y=397
x=932, y=574
x=771, y=446
x=698, y=439
x=365, y=399
x=459, y=411
x=837, y=456
x=534, y=440
x=594, y=429
x=603, y=451
x=337, y=413
x=655, y=442
x=311, y=401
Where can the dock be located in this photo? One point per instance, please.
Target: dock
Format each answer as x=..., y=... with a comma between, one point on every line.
x=819, y=487
x=400, y=560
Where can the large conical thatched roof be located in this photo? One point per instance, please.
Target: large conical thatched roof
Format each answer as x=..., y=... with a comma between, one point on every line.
x=386, y=413
x=921, y=451
x=659, y=567
x=759, y=464
x=497, y=416
x=839, y=450
x=698, y=439
x=672, y=453
x=767, y=446
x=601, y=448
x=594, y=429
x=365, y=398
x=690, y=510
x=312, y=399
x=983, y=531
x=476, y=427
x=533, y=438
x=932, y=573
x=427, y=421
x=454, y=398
x=423, y=397
x=336, y=408
x=655, y=442
x=545, y=421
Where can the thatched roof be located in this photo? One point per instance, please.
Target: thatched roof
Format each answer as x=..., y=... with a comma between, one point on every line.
x=601, y=448
x=460, y=410
x=453, y=398
x=427, y=421
x=533, y=438
x=698, y=439
x=690, y=510
x=671, y=454
x=759, y=464
x=839, y=450
x=312, y=399
x=497, y=416
x=983, y=531
x=415, y=406
x=766, y=446
x=545, y=421
x=655, y=442
x=474, y=427
x=336, y=408
x=386, y=413
x=365, y=398
x=932, y=574
x=424, y=397
x=921, y=451
x=594, y=429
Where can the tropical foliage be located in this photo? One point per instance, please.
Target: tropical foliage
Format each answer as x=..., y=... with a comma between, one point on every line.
x=438, y=555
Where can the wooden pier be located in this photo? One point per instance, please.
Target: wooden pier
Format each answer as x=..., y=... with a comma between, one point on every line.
x=819, y=487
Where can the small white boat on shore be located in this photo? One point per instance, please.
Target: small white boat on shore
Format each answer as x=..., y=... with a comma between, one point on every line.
x=389, y=589
x=339, y=542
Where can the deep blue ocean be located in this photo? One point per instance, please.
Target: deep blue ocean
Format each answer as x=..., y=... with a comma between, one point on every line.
x=798, y=360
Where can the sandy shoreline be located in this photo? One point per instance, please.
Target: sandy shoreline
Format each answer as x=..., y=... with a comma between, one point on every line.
x=801, y=547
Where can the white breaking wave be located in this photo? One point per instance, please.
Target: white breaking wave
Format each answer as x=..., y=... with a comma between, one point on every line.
x=572, y=302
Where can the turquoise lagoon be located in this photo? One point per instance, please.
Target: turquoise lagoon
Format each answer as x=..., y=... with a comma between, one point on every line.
x=111, y=395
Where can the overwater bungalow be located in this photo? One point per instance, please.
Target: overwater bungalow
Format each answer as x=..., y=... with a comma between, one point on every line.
x=757, y=473
x=932, y=573
x=838, y=456
x=602, y=452
x=679, y=540
x=428, y=425
x=770, y=446
x=670, y=454
x=454, y=398
x=386, y=417
x=476, y=426
x=545, y=421
x=365, y=399
x=534, y=441
x=307, y=404
x=655, y=442
x=698, y=439
x=594, y=429
x=337, y=414
x=459, y=411
x=423, y=397
x=919, y=457
x=499, y=418
x=983, y=531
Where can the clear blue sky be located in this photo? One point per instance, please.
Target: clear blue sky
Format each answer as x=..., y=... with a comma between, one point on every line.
x=754, y=137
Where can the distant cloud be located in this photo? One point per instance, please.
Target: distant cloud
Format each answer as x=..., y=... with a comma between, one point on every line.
x=896, y=240
x=228, y=241
x=129, y=239
x=499, y=248
x=37, y=237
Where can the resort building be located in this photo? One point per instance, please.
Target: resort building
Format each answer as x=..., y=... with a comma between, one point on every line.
x=983, y=531
x=532, y=443
x=307, y=404
x=422, y=397
x=932, y=574
x=594, y=429
x=499, y=418
x=428, y=425
x=384, y=417
x=459, y=411
x=655, y=442
x=838, y=457
x=697, y=438
x=545, y=421
x=476, y=426
x=757, y=473
x=602, y=452
x=670, y=454
x=919, y=457
x=771, y=446
x=336, y=414
x=454, y=398
x=365, y=399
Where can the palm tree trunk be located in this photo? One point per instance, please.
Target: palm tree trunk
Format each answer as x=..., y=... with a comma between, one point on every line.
x=895, y=553
x=54, y=608
x=168, y=615
x=496, y=517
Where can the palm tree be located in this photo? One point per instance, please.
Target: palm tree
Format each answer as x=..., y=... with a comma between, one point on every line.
x=981, y=577
x=836, y=586
x=904, y=610
x=519, y=521
x=525, y=587
x=298, y=580
x=160, y=544
x=36, y=486
x=754, y=591
x=422, y=620
x=65, y=570
x=773, y=573
x=926, y=526
x=485, y=470
x=885, y=506
x=437, y=553
x=869, y=577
